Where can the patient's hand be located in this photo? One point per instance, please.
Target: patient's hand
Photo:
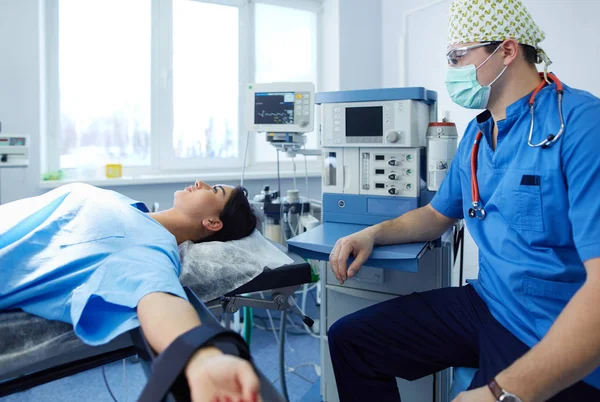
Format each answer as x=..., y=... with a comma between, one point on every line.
x=213, y=376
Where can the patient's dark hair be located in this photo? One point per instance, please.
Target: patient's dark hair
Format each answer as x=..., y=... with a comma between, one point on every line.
x=237, y=216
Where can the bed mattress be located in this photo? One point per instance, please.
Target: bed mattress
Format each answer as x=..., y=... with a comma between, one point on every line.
x=29, y=344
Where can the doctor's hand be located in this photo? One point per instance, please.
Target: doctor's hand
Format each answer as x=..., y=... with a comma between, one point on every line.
x=359, y=245
x=482, y=394
x=216, y=377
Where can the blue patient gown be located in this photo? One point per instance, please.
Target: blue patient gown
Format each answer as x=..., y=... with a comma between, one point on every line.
x=84, y=256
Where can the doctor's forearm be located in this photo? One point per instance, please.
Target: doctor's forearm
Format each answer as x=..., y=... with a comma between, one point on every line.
x=422, y=224
x=569, y=352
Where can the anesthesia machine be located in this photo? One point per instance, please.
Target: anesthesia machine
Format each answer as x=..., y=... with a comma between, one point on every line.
x=384, y=153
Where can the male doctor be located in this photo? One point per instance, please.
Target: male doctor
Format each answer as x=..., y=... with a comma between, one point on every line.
x=531, y=322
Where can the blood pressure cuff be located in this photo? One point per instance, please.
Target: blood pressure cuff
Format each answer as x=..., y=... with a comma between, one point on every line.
x=169, y=365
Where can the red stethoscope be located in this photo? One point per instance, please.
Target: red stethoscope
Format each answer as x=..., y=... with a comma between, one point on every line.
x=477, y=210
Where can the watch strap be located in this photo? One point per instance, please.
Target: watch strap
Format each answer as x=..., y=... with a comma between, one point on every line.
x=496, y=389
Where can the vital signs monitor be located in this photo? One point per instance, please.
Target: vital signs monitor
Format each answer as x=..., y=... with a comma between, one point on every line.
x=281, y=107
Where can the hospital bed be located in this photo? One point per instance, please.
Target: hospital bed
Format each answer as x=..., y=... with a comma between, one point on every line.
x=34, y=351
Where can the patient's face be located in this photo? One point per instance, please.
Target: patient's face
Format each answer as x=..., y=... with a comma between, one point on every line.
x=202, y=201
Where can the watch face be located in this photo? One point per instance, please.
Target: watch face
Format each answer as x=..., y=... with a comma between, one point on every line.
x=509, y=398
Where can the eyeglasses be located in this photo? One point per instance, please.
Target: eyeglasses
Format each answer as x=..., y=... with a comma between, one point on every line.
x=453, y=56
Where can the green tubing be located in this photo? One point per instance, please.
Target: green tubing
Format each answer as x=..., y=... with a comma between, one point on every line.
x=248, y=324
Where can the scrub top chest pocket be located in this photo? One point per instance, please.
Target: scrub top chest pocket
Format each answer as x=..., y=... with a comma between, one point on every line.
x=521, y=195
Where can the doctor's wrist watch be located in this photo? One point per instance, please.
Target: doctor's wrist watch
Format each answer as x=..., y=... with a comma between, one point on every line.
x=500, y=394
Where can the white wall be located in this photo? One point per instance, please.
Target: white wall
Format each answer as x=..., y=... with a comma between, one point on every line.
x=352, y=46
x=360, y=44
x=392, y=31
x=20, y=100
x=330, y=45
x=571, y=42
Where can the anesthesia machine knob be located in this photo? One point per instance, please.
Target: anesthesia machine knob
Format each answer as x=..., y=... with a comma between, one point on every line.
x=392, y=191
x=393, y=176
x=392, y=136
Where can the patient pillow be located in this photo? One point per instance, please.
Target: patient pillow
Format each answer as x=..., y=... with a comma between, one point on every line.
x=212, y=269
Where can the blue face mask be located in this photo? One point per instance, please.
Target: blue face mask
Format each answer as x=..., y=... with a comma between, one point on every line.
x=465, y=90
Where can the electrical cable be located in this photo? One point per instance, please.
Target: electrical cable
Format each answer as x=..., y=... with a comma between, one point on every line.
x=278, y=178
x=125, y=379
x=303, y=325
x=108, y=386
x=303, y=309
x=300, y=216
x=271, y=320
x=294, y=172
x=314, y=298
x=289, y=222
x=304, y=378
x=282, y=217
x=297, y=329
x=312, y=287
x=273, y=326
x=306, y=177
x=282, y=356
x=313, y=365
x=304, y=328
x=288, y=331
x=245, y=156
x=304, y=295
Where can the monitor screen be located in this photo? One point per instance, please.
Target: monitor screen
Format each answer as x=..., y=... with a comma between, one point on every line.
x=274, y=108
x=364, y=121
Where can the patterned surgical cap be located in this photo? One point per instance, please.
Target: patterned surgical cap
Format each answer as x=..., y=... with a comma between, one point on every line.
x=494, y=20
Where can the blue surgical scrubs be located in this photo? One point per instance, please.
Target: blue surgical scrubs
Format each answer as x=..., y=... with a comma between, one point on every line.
x=543, y=209
x=85, y=256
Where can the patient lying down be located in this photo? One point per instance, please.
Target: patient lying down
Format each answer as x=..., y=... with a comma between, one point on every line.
x=100, y=261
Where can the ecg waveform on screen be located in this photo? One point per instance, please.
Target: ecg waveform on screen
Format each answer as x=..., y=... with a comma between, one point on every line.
x=273, y=109
x=285, y=117
x=262, y=113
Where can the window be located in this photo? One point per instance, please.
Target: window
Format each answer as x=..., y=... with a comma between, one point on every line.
x=286, y=50
x=104, y=81
x=205, y=89
x=156, y=84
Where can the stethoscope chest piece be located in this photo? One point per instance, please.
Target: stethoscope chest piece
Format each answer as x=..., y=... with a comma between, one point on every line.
x=477, y=211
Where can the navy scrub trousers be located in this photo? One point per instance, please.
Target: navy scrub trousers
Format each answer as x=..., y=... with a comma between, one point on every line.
x=420, y=334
